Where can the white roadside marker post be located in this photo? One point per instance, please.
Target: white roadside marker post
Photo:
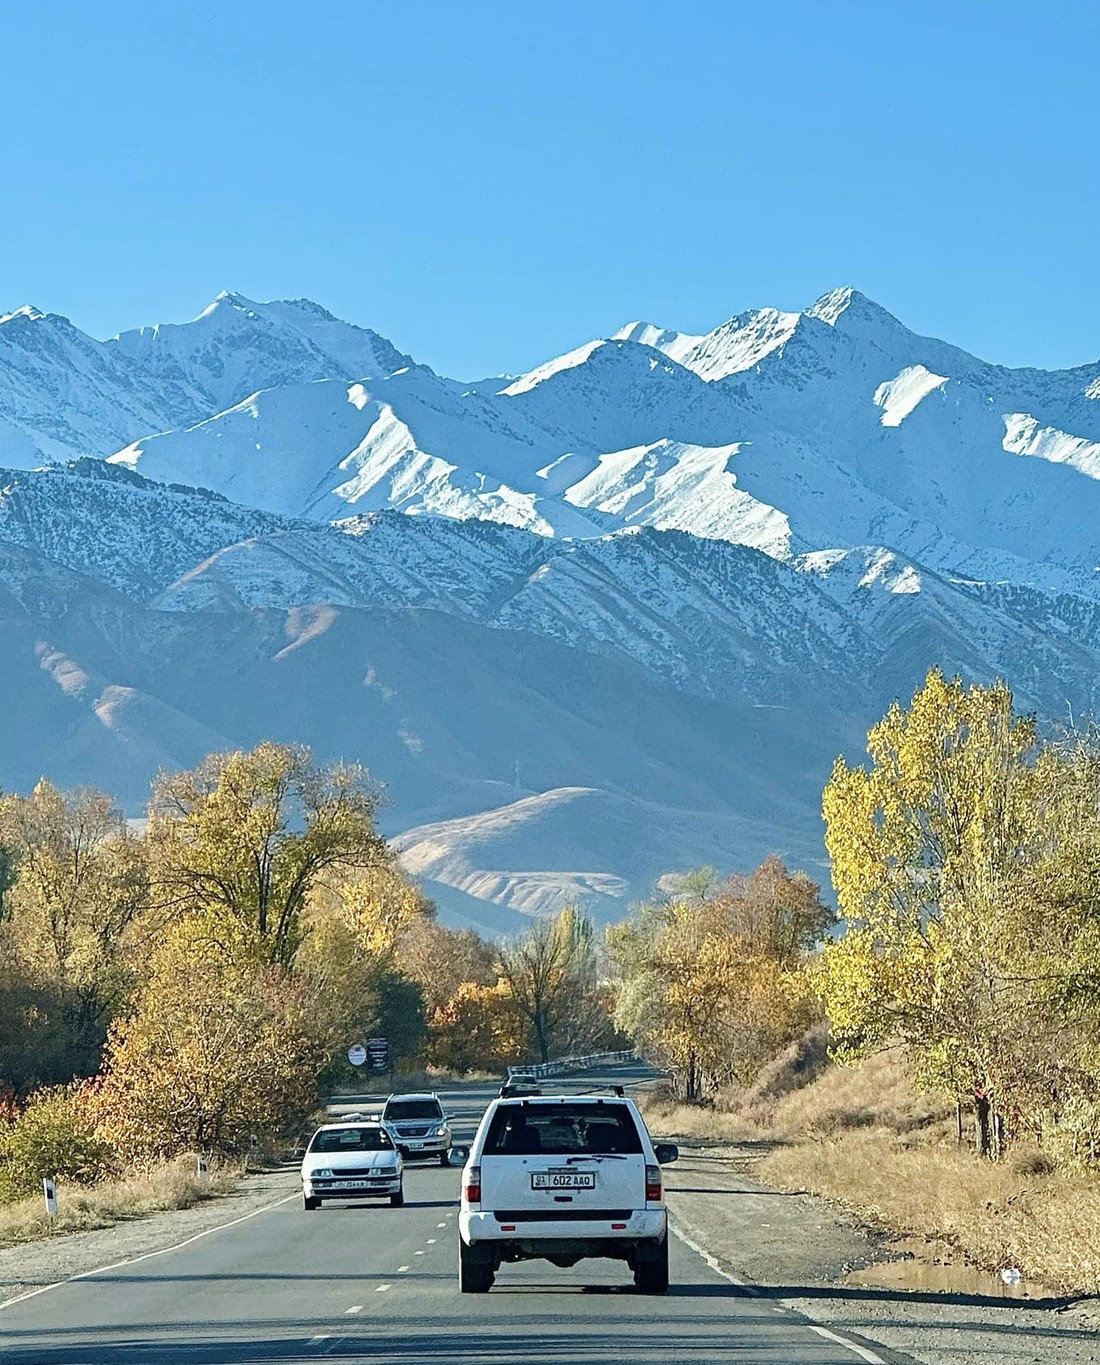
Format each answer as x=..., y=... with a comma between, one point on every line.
x=202, y=1166
x=49, y=1194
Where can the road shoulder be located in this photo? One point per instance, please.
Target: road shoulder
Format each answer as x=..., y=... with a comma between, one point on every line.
x=799, y=1250
x=33, y=1267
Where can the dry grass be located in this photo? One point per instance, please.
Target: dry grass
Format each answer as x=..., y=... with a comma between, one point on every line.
x=1048, y=1225
x=81, y=1208
x=868, y=1139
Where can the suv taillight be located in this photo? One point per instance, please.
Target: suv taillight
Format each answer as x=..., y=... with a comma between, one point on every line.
x=652, y=1184
x=473, y=1185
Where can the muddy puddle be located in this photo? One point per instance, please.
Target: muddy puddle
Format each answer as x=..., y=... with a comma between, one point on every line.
x=946, y=1277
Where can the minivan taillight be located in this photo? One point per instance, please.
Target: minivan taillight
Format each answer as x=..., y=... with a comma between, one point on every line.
x=652, y=1184
x=473, y=1185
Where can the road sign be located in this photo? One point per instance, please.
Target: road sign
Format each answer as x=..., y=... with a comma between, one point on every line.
x=357, y=1054
x=49, y=1192
x=378, y=1054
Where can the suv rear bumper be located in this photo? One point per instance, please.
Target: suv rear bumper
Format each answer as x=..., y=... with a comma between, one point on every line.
x=414, y=1147
x=642, y=1225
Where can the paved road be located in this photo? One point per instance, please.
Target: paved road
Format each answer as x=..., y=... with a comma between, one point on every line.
x=375, y=1284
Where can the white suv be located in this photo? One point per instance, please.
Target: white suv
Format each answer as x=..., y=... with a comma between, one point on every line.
x=561, y=1178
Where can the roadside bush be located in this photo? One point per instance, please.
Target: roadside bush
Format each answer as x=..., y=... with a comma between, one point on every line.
x=50, y=1138
x=1073, y=1140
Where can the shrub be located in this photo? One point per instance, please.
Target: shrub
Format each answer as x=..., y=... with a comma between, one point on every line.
x=50, y=1138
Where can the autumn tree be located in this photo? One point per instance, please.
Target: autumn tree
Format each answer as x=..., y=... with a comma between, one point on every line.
x=712, y=981
x=480, y=1026
x=941, y=851
x=443, y=960
x=76, y=906
x=552, y=976
x=220, y=1046
x=247, y=837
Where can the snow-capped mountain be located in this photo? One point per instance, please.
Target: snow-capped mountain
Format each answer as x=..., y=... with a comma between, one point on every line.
x=64, y=395
x=613, y=615
x=790, y=432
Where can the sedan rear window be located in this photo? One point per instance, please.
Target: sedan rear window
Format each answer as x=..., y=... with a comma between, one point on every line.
x=592, y=1129
x=351, y=1140
x=398, y=1110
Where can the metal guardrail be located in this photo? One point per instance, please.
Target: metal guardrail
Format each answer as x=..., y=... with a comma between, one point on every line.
x=541, y=1069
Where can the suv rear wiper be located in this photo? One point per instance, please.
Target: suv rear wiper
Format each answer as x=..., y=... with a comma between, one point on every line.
x=598, y=1156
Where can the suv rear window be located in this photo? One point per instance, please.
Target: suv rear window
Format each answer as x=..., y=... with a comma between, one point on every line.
x=592, y=1128
x=398, y=1110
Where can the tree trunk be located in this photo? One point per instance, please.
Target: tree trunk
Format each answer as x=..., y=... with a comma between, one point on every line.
x=983, y=1127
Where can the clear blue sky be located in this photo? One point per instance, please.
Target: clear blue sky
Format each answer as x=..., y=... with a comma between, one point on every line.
x=488, y=184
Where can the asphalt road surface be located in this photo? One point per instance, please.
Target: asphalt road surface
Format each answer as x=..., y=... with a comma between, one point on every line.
x=373, y=1284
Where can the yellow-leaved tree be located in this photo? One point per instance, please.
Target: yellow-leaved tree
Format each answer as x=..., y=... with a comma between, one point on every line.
x=221, y=1045
x=246, y=837
x=936, y=850
x=712, y=982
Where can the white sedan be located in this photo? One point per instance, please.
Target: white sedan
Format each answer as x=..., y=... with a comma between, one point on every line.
x=352, y=1161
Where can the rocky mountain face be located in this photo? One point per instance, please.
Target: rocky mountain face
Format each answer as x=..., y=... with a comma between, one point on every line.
x=615, y=616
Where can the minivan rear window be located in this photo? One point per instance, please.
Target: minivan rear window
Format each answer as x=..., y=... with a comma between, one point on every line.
x=587, y=1128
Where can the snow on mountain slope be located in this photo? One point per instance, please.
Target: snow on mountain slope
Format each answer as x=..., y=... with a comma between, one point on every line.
x=837, y=426
x=63, y=394
x=1024, y=436
x=673, y=486
x=237, y=346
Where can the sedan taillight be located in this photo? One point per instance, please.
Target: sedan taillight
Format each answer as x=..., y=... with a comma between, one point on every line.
x=473, y=1185
x=652, y=1184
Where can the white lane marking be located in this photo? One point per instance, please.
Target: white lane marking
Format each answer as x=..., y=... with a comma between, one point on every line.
x=862, y=1352
x=323, y=1336
x=402, y=1268
x=355, y=1308
x=432, y=1241
x=418, y=1253
x=148, y=1255
x=381, y=1288
x=701, y=1251
x=441, y=1225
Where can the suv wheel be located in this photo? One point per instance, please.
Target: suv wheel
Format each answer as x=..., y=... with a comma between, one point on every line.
x=475, y=1269
x=651, y=1267
x=444, y=1158
x=310, y=1202
x=397, y=1201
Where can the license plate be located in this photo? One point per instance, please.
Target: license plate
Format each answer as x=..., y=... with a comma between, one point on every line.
x=354, y=1184
x=563, y=1180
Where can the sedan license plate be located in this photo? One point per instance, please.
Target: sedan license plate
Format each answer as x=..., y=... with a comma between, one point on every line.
x=563, y=1180
x=355, y=1184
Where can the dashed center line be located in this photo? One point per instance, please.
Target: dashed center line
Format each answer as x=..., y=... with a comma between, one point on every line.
x=402, y=1268
x=418, y=1253
x=355, y=1308
x=431, y=1241
x=381, y=1288
x=441, y=1225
